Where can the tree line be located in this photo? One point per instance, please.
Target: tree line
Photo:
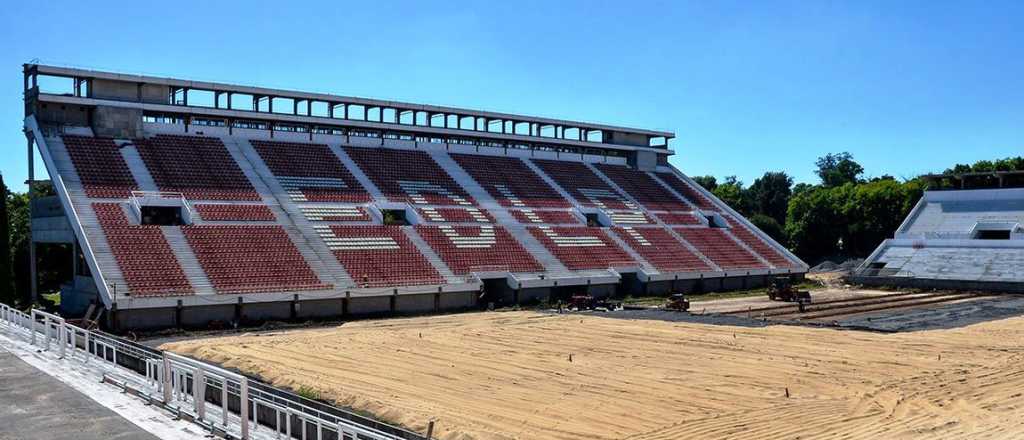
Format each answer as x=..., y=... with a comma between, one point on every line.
x=844, y=215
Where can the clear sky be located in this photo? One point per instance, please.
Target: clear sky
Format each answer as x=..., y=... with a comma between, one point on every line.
x=906, y=86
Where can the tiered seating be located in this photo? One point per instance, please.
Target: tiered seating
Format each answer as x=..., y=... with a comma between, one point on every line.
x=678, y=218
x=752, y=241
x=100, y=166
x=198, y=167
x=536, y=216
x=379, y=255
x=478, y=249
x=409, y=176
x=684, y=189
x=511, y=182
x=249, y=213
x=310, y=172
x=580, y=248
x=715, y=244
x=455, y=215
x=586, y=187
x=643, y=188
x=336, y=213
x=143, y=255
x=661, y=249
x=249, y=259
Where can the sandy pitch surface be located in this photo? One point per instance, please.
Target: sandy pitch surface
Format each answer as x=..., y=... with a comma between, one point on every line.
x=494, y=376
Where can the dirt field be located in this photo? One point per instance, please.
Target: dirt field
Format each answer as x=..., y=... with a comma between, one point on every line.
x=508, y=376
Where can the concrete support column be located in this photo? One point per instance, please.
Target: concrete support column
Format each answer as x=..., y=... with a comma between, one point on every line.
x=32, y=192
x=199, y=393
x=166, y=376
x=243, y=407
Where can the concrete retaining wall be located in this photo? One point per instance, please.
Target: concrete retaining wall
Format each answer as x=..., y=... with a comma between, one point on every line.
x=223, y=315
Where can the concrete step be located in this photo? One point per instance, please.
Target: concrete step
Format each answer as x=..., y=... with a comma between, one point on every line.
x=138, y=168
x=187, y=260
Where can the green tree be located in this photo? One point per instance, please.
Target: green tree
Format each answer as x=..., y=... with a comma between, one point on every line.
x=6, y=289
x=733, y=194
x=872, y=212
x=18, y=242
x=771, y=227
x=814, y=223
x=708, y=182
x=838, y=169
x=802, y=187
x=769, y=195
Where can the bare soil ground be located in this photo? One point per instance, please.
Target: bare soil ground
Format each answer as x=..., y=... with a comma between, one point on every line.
x=508, y=375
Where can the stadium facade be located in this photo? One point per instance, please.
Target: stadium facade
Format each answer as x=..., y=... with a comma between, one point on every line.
x=191, y=202
x=957, y=238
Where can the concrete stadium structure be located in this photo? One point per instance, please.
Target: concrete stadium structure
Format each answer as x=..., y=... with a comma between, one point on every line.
x=190, y=202
x=966, y=239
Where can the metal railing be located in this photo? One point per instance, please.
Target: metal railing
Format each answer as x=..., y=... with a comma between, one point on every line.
x=211, y=396
x=139, y=197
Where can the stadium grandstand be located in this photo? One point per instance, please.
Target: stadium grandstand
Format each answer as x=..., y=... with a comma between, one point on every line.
x=192, y=202
x=966, y=233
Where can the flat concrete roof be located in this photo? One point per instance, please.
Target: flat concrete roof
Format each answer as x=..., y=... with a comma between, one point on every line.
x=202, y=85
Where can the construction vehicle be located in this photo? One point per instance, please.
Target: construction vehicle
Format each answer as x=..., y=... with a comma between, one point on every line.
x=677, y=302
x=781, y=289
x=587, y=302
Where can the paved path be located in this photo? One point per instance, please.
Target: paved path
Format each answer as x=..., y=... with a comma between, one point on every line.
x=35, y=405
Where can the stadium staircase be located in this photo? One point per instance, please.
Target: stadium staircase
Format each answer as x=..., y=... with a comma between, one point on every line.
x=188, y=261
x=137, y=167
x=110, y=274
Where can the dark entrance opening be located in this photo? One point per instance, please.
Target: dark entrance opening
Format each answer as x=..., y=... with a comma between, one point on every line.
x=394, y=217
x=162, y=215
x=493, y=293
x=993, y=234
x=564, y=294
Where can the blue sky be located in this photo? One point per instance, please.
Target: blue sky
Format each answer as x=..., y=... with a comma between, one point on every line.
x=907, y=86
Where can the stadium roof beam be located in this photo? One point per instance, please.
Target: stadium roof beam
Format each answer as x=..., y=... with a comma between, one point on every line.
x=936, y=180
x=103, y=87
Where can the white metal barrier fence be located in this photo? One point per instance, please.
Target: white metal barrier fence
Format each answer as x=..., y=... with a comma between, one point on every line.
x=209, y=395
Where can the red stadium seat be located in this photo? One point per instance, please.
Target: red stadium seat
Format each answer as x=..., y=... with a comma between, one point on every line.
x=142, y=253
x=716, y=244
x=511, y=182
x=311, y=169
x=251, y=213
x=478, y=249
x=643, y=188
x=100, y=167
x=580, y=248
x=250, y=259
x=662, y=250
x=409, y=176
x=198, y=167
x=379, y=256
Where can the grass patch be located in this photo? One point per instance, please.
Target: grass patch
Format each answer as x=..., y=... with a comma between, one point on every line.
x=52, y=297
x=308, y=392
